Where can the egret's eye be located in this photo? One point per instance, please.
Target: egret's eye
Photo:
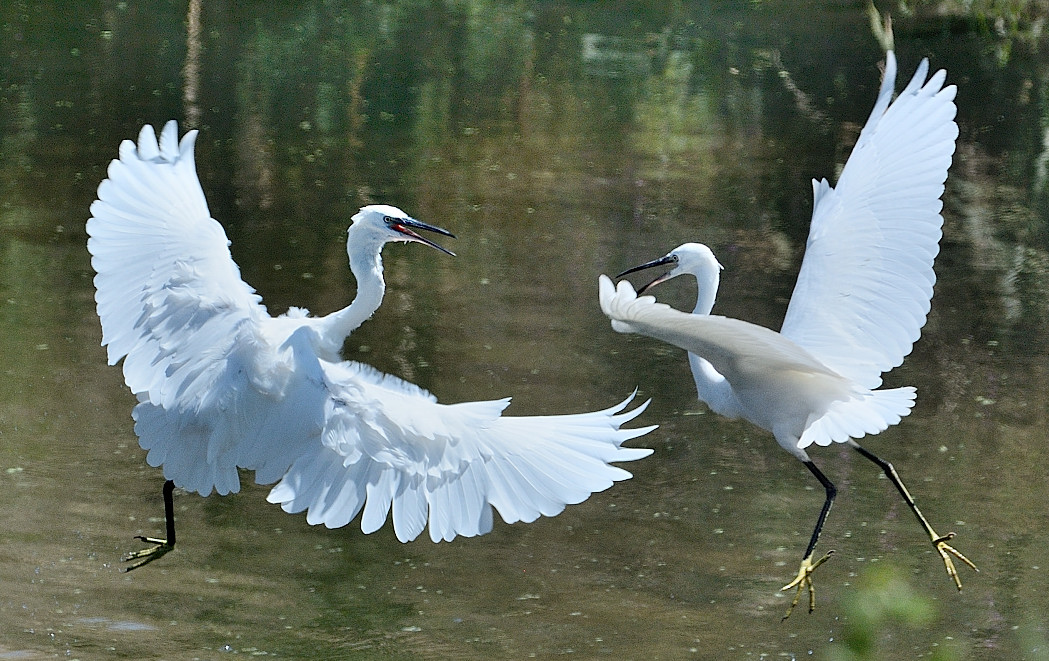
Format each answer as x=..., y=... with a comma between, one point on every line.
x=388, y=219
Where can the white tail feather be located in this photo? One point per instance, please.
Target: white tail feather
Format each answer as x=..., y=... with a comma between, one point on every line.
x=870, y=412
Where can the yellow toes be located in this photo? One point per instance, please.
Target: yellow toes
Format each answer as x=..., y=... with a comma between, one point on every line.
x=804, y=581
x=146, y=556
x=946, y=551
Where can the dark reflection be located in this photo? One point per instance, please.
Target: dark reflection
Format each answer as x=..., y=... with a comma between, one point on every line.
x=558, y=140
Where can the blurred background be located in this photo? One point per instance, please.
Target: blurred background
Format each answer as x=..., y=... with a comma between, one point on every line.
x=558, y=140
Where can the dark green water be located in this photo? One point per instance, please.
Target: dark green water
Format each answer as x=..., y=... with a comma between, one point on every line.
x=558, y=141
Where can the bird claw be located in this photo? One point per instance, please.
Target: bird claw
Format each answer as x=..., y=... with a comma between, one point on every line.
x=946, y=551
x=145, y=556
x=804, y=580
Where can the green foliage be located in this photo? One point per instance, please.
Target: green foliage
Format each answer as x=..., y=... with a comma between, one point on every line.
x=882, y=604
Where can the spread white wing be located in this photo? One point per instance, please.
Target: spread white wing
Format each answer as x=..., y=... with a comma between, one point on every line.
x=747, y=355
x=213, y=394
x=867, y=277
x=169, y=295
x=389, y=445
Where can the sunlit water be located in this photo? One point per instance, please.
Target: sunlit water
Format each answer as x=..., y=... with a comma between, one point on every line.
x=558, y=142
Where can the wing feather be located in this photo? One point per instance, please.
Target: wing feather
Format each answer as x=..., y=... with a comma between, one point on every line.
x=215, y=391
x=867, y=277
x=741, y=351
x=169, y=296
x=447, y=465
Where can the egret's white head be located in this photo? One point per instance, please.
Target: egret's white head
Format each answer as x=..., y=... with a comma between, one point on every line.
x=382, y=223
x=689, y=258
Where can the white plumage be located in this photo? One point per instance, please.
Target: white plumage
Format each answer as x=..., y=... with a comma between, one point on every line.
x=866, y=281
x=224, y=386
x=861, y=298
x=777, y=384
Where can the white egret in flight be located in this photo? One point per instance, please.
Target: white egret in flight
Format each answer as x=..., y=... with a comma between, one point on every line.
x=222, y=385
x=858, y=306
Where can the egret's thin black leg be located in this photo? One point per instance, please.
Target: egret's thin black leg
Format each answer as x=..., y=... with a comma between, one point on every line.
x=169, y=510
x=804, y=577
x=832, y=492
x=161, y=546
x=939, y=541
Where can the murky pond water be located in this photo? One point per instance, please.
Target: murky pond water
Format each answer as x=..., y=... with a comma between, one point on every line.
x=558, y=141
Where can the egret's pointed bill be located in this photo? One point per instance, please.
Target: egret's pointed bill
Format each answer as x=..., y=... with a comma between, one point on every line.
x=667, y=259
x=406, y=226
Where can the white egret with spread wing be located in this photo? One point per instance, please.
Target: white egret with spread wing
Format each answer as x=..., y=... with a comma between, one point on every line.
x=861, y=299
x=222, y=385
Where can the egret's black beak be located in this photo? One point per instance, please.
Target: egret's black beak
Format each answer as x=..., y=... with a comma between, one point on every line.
x=407, y=227
x=668, y=259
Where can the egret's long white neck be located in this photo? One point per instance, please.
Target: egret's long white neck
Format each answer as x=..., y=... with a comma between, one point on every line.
x=707, y=278
x=711, y=385
x=366, y=264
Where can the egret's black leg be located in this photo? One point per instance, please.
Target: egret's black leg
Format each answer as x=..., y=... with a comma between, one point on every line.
x=938, y=541
x=160, y=546
x=804, y=578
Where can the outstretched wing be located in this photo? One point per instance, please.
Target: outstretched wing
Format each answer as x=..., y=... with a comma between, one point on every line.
x=744, y=353
x=866, y=280
x=169, y=295
x=214, y=394
x=389, y=445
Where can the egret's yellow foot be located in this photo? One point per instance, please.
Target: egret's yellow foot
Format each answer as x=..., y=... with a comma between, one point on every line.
x=804, y=580
x=946, y=551
x=146, y=556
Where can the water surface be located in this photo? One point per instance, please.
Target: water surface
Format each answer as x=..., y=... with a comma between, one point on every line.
x=558, y=141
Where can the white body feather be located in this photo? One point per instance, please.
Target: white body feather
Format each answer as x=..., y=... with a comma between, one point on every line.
x=223, y=386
